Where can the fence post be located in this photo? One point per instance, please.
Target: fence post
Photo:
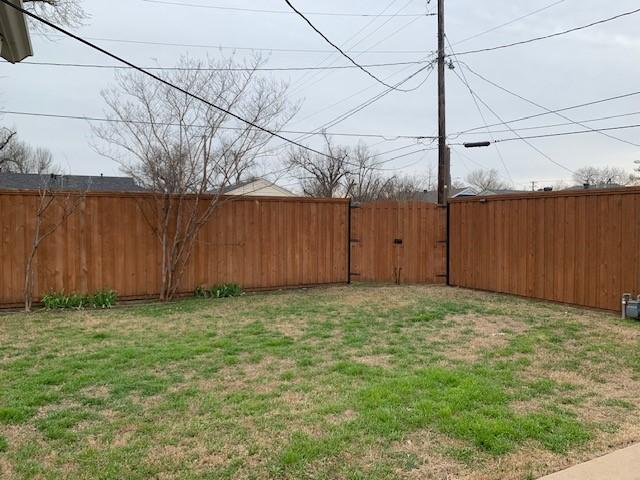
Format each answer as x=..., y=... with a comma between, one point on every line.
x=349, y=242
x=448, y=237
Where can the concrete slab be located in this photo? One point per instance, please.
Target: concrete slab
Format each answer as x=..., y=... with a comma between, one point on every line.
x=621, y=465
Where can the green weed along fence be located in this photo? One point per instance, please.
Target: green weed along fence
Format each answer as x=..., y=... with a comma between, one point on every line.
x=108, y=244
x=576, y=247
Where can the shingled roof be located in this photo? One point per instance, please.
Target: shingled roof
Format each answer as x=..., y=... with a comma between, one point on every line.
x=31, y=181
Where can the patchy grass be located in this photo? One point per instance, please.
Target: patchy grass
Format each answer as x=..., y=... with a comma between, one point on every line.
x=354, y=382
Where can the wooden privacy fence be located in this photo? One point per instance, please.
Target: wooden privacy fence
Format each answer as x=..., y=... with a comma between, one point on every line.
x=400, y=242
x=576, y=247
x=108, y=244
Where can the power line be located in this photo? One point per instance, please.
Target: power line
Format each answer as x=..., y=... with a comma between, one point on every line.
x=227, y=47
x=155, y=77
x=562, y=134
x=389, y=160
x=510, y=22
x=555, y=125
x=484, y=121
x=342, y=52
x=517, y=134
x=341, y=118
x=553, y=35
x=537, y=115
x=166, y=124
x=227, y=69
x=378, y=28
x=542, y=106
x=347, y=43
x=465, y=156
x=254, y=10
x=341, y=101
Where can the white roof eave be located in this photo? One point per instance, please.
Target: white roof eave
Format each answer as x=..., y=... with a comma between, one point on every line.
x=15, y=42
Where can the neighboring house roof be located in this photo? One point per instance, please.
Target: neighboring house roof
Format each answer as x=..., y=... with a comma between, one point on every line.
x=432, y=195
x=487, y=193
x=600, y=186
x=257, y=187
x=32, y=181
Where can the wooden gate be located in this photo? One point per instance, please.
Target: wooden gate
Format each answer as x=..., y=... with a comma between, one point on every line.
x=398, y=242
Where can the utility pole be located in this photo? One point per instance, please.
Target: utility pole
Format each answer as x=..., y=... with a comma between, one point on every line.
x=444, y=158
x=444, y=164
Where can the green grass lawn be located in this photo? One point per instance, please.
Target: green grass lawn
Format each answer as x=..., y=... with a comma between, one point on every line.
x=357, y=382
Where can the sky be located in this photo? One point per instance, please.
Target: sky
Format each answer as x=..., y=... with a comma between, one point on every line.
x=576, y=68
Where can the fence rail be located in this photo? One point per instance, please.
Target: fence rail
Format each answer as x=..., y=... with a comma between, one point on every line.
x=108, y=243
x=575, y=247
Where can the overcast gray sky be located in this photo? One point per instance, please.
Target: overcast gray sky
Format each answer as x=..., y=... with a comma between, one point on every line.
x=599, y=62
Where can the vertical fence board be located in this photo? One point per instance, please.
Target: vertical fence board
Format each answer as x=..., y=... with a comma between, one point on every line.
x=376, y=257
x=578, y=247
x=109, y=243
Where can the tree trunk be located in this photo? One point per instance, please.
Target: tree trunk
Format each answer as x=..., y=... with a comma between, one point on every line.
x=28, y=275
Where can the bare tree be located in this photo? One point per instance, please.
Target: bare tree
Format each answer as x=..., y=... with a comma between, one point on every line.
x=560, y=185
x=635, y=176
x=321, y=175
x=19, y=157
x=69, y=13
x=186, y=151
x=486, y=180
x=602, y=176
x=354, y=172
x=6, y=137
x=363, y=181
x=408, y=187
x=52, y=210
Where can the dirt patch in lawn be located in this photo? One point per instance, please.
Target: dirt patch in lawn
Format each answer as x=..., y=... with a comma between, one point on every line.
x=472, y=334
x=317, y=404
x=429, y=448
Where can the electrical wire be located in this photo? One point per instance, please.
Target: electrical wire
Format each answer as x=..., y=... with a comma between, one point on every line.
x=388, y=160
x=230, y=69
x=359, y=42
x=342, y=52
x=531, y=102
x=484, y=121
x=510, y=22
x=253, y=10
x=165, y=124
x=553, y=35
x=366, y=89
x=465, y=156
x=155, y=77
x=537, y=115
x=306, y=77
x=556, y=125
x=227, y=47
x=341, y=118
x=516, y=133
x=562, y=134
